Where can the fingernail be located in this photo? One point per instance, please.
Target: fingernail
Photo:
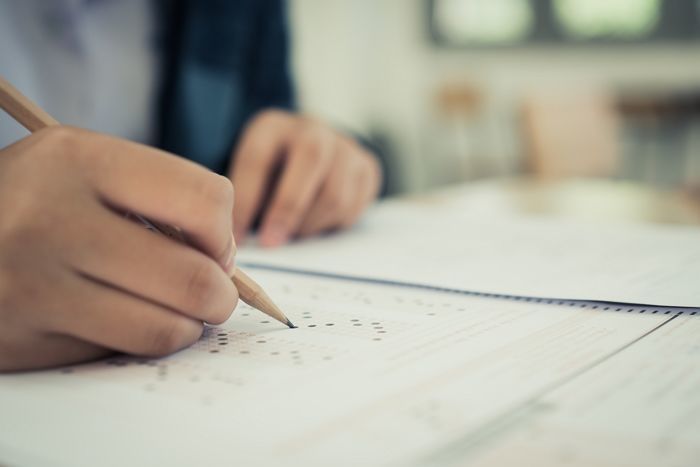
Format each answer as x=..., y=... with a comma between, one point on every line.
x=274, y=236
x=230, y=265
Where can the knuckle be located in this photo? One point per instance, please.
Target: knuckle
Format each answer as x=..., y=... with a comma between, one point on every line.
x=312, y=145
x=64, y=148
x=60, y=141
x=59, y=135
x=200, y=288
x=269, y=117
x=216, y=191
x=212, y=201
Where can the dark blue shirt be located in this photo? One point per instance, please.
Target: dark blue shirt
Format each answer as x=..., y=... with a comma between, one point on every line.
x=225, y=60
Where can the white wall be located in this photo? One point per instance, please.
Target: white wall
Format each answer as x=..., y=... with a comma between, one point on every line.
x=369, y=64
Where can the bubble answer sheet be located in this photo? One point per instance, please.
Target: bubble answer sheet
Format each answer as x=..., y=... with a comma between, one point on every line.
x=381, y=375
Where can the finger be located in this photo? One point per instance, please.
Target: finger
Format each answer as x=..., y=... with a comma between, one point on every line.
x=166, y=188
x=321, y=222
x=107, y=317
x=254, y=163
x=307, y=166
x=130, y=257
x=334, y=201
x=48, y=351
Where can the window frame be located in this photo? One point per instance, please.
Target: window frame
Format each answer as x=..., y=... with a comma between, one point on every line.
x=679, y=24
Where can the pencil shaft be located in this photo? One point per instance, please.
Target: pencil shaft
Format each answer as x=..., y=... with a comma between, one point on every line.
x=26, y=112
x=255, y=296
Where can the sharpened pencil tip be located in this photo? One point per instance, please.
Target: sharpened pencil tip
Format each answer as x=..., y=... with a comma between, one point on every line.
x=290, y=324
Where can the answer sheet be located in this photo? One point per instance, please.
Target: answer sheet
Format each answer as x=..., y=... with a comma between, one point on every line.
x=380, y=375
x=444, y=246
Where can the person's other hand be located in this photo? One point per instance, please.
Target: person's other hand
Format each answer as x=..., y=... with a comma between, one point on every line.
x=78, y=280
x=300, y=177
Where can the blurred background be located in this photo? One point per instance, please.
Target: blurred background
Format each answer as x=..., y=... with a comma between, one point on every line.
x=461, y=90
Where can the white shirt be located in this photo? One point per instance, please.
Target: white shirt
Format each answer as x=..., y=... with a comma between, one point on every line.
x=89, y=63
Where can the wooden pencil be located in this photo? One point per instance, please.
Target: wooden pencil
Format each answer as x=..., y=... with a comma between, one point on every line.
x=34, y=118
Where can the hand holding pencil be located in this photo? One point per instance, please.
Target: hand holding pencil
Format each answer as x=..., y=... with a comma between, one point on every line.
x=78, y=280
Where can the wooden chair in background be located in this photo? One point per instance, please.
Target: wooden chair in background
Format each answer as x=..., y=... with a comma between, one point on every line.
x=570, y=133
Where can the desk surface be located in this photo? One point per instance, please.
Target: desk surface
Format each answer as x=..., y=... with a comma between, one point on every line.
x=385, y=374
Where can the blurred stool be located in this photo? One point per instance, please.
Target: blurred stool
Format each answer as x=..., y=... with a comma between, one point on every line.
x=456, y=138
x=570, y=133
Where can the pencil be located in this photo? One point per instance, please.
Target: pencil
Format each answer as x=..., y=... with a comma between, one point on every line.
x=34, y=118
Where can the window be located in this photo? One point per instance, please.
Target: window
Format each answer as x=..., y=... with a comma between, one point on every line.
x=593, y=19
x=468, y=23
x=491, y=21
